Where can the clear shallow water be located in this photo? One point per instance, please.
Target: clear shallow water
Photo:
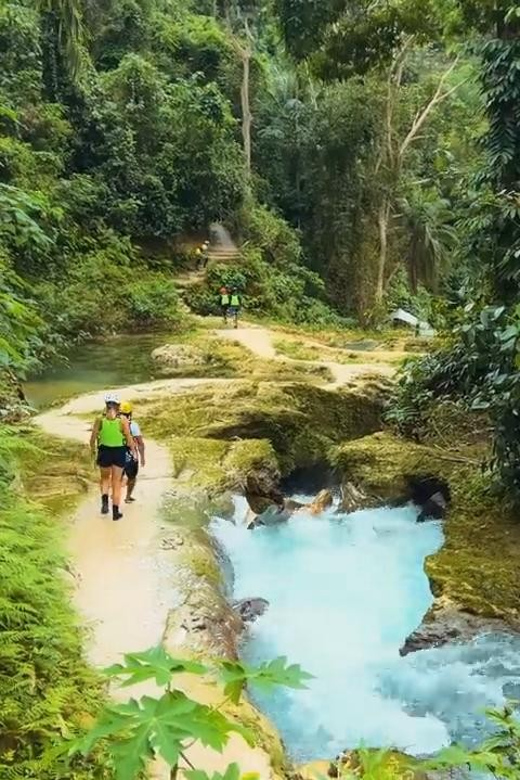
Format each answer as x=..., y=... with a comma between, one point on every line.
x=344, y=593
x=122, y=360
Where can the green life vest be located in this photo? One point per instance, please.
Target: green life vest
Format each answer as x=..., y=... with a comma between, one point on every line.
x=235, y=300
x=111, y=433
x=224, y=300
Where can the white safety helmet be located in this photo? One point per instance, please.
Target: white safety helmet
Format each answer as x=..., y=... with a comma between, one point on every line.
x=112, y=398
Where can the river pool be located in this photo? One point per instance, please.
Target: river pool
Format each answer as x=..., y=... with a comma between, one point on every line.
x=117, y=361
x=344, y=593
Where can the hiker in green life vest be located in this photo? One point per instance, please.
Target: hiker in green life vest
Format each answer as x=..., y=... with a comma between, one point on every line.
x=224, y=300
x=111, y=434
x=235, y=304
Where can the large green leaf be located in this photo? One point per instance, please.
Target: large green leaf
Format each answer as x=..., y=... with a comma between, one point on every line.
x=236, y=676
x=138, y=730
x=154, y=664
x=231, y=773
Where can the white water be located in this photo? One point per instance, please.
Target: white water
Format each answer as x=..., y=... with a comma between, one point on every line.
x=344, y=593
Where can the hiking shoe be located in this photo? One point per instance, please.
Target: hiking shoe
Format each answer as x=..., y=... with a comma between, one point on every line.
x=116, y=514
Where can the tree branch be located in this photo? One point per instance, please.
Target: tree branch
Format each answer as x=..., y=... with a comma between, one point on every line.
x=439, y=97
x=395, y=75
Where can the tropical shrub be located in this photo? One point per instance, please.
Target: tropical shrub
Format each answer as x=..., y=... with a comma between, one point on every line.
x=166, y=727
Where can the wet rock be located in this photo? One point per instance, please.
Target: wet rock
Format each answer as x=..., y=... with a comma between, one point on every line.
x=291, y=505
x=323, y=501
x=431, y=494
x=273, y=515
x=171, y=357
x=172, y=542
x=261, y=489
x=250, y=518
x=251, y=609
x=259, y=504
x=445, y=623
x=354, y=498
x=434, y=508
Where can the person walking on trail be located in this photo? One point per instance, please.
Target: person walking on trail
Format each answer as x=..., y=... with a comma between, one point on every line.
x=202, y=255
x=132, y=462
x=225, y=300
x=111, y=434
x=235, y=304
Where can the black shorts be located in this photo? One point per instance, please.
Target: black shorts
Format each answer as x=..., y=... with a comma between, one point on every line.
x=111, y=456
x=131, y=467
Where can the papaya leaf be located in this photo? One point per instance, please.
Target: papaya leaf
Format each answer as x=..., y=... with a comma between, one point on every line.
x=236, y=676
x=154, y=664
x=231, y=773
x=131, y=755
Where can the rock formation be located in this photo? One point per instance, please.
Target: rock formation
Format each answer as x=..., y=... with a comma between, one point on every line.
x=250, y=609
x=171, y=357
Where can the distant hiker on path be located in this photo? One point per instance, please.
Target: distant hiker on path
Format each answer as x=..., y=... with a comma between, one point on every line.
x=235, y=304
x=132, y=461
x=202, y=255
x=111, y=434
x=224, y=301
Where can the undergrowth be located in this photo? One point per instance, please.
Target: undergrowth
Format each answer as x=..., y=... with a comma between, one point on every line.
x=47, y=691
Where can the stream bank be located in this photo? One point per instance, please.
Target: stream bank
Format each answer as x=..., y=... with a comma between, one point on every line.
x=150, y=580
x=227, y=435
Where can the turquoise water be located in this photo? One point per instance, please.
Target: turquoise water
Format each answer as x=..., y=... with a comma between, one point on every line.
x=122, y=360
x=344, y=593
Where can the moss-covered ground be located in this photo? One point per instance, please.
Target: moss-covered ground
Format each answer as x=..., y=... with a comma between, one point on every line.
x=223, y=358
x=479, y=563
x=219, y=434
x=54, y=472
x=292, y=347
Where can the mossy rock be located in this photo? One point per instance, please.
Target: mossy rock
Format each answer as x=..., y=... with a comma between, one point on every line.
x=54, y=472
x=390, y=764
x=13, y=404
x=477, y=567
x=298, y=423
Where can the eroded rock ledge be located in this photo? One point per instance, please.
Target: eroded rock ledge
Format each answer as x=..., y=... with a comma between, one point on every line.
x=474, y=576
x=446, y=623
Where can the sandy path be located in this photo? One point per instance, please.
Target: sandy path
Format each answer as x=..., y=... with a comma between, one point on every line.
x=126, y=582
x=260, y=341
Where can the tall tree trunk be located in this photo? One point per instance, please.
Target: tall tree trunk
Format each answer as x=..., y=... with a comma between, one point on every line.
x=383, y=220
x=246, y=108
x=412, y=262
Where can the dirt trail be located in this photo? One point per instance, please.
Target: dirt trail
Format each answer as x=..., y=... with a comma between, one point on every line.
x=260, y=341
x=126, y=582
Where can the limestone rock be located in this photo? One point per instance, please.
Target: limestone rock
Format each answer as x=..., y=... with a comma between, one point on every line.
x=13, y=403
x=446, y=623
x=171, y=357
x=290, y=505
x=251, y=609
x=394, y=764
x=272, y=515
x=323, y=501
x=431, y=494
x=354, y=498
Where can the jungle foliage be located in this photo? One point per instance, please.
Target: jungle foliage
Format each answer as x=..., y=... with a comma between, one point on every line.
x=364, y=154
x=480, y=364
